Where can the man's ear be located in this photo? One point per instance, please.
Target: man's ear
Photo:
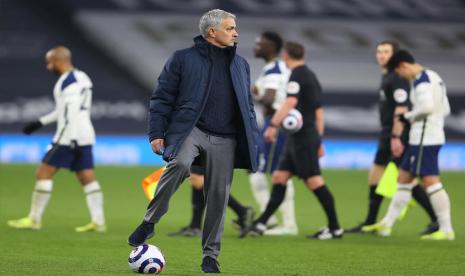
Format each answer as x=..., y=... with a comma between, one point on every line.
x=211, y=32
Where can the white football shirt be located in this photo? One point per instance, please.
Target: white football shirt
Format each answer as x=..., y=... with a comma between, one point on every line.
x=73, y=99
x=429, y=107
x=274, y=76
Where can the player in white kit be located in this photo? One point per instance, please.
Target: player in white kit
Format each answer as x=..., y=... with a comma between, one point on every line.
x=270, y=91
x=429, y=107
x=71, y=146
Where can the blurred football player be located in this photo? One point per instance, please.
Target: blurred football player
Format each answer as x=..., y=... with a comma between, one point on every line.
x=71, y=146
x=394, y=99
x=303, y=148
x=269, y=90
x=429, y=107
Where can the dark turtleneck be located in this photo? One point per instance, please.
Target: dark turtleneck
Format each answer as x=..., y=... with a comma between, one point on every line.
x=218, y=118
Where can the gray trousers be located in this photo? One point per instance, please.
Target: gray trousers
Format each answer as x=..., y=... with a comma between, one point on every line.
x=219, y=162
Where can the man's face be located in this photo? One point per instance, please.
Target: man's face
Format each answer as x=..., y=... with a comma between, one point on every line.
x=262, y=47
x=51, y=63
x=404, y=71
x=383, y=54
x=225, y=34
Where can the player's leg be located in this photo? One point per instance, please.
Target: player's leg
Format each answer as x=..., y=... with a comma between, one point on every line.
x=402, y=196
x=441, y=204
x=287, y=208
x=83, y=165
x=399, y=201
x=279, y=179
x=420, y=196
x=437, y=193
x=94, y=200
x=260, y=190
x=176, y=171
x=316, y=184
x=374, y=200
x=258, y=180
x=40, y=198
x=245, y=214
x=382, y=157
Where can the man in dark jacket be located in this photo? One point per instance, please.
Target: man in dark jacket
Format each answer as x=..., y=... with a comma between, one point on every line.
x=202, y=106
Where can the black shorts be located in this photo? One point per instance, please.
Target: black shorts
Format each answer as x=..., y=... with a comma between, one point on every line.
x=383, y=153
x=60, y=156
x=196, y=169
x=300, y=157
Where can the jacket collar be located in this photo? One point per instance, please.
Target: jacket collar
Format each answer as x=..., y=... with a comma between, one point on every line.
x=205, y=47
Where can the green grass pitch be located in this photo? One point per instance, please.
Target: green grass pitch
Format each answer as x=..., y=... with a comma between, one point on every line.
x=58, y=250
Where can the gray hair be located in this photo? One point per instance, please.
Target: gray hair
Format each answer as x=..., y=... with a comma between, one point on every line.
x=211, y=19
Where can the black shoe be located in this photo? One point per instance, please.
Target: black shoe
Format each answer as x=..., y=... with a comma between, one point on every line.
x=143, y=232
x=327, y=234
x=245, y=220
x=430, y=228
x=256, y=229
x=356, y=229
x=187, y=232
x=210, y=265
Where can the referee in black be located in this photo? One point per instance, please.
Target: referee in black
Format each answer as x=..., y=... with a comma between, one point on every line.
x=394, y=99
x=302, y=149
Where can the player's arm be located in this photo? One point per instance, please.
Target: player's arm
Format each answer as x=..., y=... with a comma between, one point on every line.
x=268, y=97
x=320, y=120
x=72, y=101
x=397, y=129
x=320, y=126
x=271, y=83
x=424, y=104
x=49, y=118
x=42, y=121
x=289, y=103
x=398, y=126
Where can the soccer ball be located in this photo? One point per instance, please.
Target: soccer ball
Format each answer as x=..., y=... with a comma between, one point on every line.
x=292, y=122
x=146, y=259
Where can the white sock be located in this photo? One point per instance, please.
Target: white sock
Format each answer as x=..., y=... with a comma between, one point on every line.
x=260, y=189
x=287, y=207
x=399, y=201
x=441, y=206
x=94, y=198
x=40, y=197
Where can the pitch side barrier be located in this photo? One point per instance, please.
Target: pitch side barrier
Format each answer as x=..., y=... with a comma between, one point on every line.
x=135, y=151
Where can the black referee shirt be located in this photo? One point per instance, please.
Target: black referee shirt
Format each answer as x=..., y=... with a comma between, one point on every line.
x=394, y=91
x=304, y=85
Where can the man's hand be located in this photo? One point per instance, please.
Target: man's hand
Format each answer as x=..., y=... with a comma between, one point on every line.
x=158, y=146
x=31, y=127
x=402, y=118
x=397, y=148
x=321, y=151
x=270, y=134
